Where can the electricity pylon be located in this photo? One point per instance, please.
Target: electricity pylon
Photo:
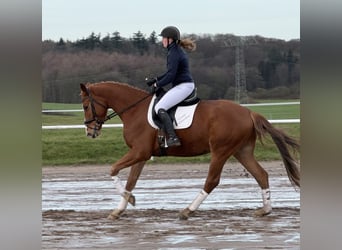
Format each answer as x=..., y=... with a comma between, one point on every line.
x=238, y=43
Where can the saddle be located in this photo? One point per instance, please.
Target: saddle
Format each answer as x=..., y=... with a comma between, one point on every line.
x=181, y=114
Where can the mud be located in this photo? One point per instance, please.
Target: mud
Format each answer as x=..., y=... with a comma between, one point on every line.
x=77, y=200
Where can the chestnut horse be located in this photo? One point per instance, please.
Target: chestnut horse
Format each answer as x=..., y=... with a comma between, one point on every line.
x=220, y=127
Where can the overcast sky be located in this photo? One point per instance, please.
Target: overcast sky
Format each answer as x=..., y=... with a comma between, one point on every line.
x=77, y=19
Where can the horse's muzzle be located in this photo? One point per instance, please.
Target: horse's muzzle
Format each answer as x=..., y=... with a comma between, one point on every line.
x=93, y=133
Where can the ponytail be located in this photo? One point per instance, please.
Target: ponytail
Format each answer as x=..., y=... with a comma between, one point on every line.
x=187, y=44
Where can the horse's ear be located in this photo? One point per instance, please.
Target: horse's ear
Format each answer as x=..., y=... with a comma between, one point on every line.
x=84, y=88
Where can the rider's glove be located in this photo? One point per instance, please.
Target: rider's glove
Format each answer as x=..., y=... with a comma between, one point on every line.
x=151, y=81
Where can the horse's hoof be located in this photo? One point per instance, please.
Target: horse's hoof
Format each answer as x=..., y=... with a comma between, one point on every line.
x=131, y=200
x=113, y=217
x=262, y=212
x=185, y=214
x=115, y=214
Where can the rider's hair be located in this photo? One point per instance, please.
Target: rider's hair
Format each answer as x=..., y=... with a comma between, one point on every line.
x=187, y=44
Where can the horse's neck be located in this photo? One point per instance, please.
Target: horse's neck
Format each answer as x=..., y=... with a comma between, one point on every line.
x=120, y=97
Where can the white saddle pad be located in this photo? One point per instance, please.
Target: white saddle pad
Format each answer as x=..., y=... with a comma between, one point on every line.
x=184, y=115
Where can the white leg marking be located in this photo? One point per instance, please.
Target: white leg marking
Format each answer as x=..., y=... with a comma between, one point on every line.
x=199, y=199
x=122, y=204
x=266, y=199
x=118, y=185
x=125, y=195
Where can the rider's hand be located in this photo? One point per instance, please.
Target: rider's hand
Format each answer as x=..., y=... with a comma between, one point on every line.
x=151, y=81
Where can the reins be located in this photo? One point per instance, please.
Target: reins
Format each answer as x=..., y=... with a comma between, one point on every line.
x=113, y=114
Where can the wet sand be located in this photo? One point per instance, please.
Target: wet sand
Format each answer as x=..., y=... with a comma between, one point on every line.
x=77, y=199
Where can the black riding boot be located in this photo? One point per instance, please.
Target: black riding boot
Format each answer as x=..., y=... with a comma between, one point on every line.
x=166, y=120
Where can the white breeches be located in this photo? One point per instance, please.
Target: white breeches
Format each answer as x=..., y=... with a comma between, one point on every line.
x=175, y=95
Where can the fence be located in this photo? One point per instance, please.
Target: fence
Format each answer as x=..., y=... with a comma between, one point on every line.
x=121, y=125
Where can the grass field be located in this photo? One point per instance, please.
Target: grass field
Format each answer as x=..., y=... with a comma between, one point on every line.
x=72, y=147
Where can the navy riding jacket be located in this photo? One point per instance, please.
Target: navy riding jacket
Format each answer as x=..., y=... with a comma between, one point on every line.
x=177, y=67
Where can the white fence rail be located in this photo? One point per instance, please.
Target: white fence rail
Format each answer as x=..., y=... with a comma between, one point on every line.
x=121, y=125
x=80, y=126
x=246, y=105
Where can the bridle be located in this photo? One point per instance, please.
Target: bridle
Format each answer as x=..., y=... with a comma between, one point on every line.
x=98, y=121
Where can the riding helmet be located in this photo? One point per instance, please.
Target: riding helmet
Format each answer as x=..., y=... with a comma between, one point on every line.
x=171, y=32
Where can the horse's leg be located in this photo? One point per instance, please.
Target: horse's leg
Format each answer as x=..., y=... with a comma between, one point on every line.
x=132, y=157
x=135, y=159
x=126, y=194
x=213, y=179
x=247, y=159
x=134, y=175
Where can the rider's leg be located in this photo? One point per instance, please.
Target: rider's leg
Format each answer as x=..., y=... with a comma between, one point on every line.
x=174, y=96
x=166, y=120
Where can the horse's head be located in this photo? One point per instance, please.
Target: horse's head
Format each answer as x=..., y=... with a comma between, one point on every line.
x=94, y=112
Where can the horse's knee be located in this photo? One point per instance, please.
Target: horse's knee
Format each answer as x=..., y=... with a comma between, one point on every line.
x=114, y=171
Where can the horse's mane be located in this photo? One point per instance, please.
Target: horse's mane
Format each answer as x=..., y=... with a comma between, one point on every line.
x=123, y=85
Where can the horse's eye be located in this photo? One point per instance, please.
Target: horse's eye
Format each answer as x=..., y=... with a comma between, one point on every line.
x=85, y=107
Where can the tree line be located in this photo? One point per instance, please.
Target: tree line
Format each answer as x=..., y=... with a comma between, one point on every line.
x=271, y=66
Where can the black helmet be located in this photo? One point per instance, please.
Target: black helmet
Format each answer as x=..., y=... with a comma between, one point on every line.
x=172, y=32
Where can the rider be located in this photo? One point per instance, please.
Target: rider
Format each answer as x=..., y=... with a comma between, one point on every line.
x=178, y=74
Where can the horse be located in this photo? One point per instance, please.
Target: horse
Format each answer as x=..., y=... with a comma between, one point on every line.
x=220, y=127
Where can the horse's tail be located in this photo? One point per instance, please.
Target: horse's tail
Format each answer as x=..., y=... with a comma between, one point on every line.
x=283, y=143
